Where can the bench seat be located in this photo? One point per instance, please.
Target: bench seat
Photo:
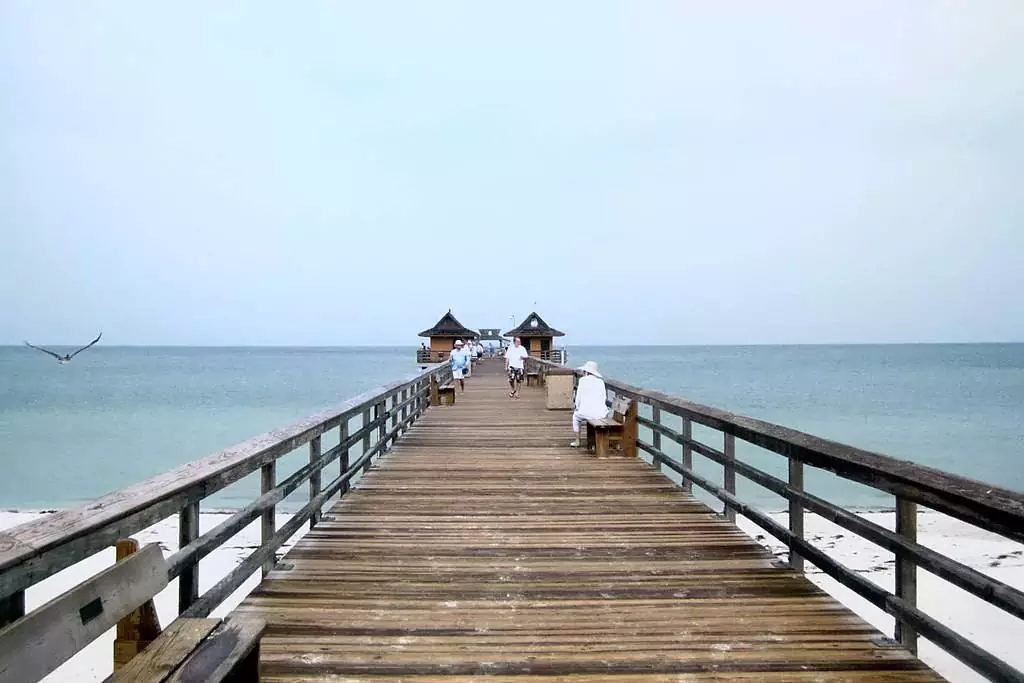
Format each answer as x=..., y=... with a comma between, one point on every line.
x=197, y=650
x=602, y=432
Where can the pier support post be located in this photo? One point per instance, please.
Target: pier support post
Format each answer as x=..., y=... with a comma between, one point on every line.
x=140, y=628
x=655, y=434
x=366, y=436
x=796, y=512
x=906, y=571
x=729, y=474
x=686, y=431
x=315, y=480
x=435, y=395
x=188, y=580
x=268, y=479
x=343, y=459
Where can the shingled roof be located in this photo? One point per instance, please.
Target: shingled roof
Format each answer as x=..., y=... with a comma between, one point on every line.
x=448, y=326
x=534, y=326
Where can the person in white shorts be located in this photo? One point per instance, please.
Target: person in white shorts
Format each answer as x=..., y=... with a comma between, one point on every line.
x=591, y=399
x=515, y=366
x=459, y=362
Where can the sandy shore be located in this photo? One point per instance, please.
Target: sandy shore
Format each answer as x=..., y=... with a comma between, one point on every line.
x=985, y=625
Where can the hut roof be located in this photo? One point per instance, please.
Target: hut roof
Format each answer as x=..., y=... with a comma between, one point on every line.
x=534, y=326
x=448, y=326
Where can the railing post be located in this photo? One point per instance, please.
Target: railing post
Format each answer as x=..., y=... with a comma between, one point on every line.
x=141, y=627
x=268, y=480
x=367, y=416
x=188, y=580
x=655, y=434
x=729, y=474
x=343, y=459
x=686, y=431
x=12, y=608
x=405, y=410
x=435, y=395
x=906, y=571
x=315, y=480
x=796, y=512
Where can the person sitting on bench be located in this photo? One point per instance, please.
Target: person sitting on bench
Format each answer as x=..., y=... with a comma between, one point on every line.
x=591, y=399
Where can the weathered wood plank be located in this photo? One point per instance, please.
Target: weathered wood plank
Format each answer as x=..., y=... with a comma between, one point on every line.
x=167, y=652
x=482, y=545
x=45, y=638
x=230, y=653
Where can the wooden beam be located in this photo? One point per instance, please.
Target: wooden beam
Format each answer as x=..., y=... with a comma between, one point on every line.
x=142, y=626
x=906, y=571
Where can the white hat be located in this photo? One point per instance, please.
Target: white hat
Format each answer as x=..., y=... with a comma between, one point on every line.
x=590, y=367
x=458, y=342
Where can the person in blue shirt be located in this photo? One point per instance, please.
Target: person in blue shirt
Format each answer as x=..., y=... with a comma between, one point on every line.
x=459, y=362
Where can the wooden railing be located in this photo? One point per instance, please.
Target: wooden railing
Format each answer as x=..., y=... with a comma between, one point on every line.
x=557, y=356
x=31, y=552
x=982, y=505
x=427, y=356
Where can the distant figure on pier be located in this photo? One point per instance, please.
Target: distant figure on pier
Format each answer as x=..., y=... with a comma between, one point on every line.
x=591, y=399
x=515, y=365
x=460, y=359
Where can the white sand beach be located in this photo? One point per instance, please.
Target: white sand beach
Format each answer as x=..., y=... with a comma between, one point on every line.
x=985, y=625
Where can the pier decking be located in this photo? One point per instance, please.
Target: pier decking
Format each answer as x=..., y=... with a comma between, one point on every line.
x=482, y=545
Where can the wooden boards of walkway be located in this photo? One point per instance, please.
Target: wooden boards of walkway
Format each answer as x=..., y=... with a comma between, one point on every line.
x=483, y=546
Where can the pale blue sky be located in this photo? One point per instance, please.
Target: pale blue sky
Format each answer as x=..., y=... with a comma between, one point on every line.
x=646, y=171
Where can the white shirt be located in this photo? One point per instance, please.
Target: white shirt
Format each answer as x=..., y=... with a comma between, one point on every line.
x=515, y=356
x=591, y=396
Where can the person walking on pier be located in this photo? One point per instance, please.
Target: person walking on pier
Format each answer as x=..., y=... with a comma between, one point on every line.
x=591, y=399
x=459, y=362
x=515, y=365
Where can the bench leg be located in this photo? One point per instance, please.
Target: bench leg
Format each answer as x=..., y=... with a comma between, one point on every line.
x=590, y=437
x=603, y=443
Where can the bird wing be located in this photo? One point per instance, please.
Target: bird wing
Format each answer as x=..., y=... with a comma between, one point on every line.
x=87, y=345
x=39, y=348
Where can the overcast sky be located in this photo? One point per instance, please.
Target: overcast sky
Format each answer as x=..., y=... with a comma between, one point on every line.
x=645, y=171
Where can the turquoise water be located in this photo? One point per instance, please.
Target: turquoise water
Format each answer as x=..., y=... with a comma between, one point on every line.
x=117, y=415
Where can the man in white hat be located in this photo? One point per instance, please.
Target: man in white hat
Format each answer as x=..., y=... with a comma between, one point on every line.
x=459, y=362
x=591, y=399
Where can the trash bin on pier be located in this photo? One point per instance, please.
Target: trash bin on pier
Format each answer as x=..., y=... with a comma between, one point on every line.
x=559, y=383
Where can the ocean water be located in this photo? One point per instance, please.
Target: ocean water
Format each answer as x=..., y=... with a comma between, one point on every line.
x=119, y=414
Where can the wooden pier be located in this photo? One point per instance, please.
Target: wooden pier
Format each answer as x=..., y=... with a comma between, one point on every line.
x=483, y=545
x=471, y=541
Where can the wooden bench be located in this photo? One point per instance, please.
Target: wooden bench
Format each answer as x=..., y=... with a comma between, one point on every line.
x=619, y=430
x=189, y=650
x=446, y=392
x=533, y=378
x=441, y=394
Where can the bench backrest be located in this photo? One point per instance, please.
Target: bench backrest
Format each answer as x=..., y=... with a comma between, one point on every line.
x=35, y=645
x=620, y=406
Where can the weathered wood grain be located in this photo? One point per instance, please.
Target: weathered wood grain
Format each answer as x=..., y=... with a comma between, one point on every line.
x=45, y=638
x=985, y=505
x=482, y=545
x=166, y=654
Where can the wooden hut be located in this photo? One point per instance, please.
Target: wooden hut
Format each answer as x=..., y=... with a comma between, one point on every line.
x=442, y=339
x=539, y=338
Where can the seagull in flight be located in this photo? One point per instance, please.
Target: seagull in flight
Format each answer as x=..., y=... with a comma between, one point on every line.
x=66, y=358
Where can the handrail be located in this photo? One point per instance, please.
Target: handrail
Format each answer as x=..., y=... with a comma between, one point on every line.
x=31, y=552
x=982, y=505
